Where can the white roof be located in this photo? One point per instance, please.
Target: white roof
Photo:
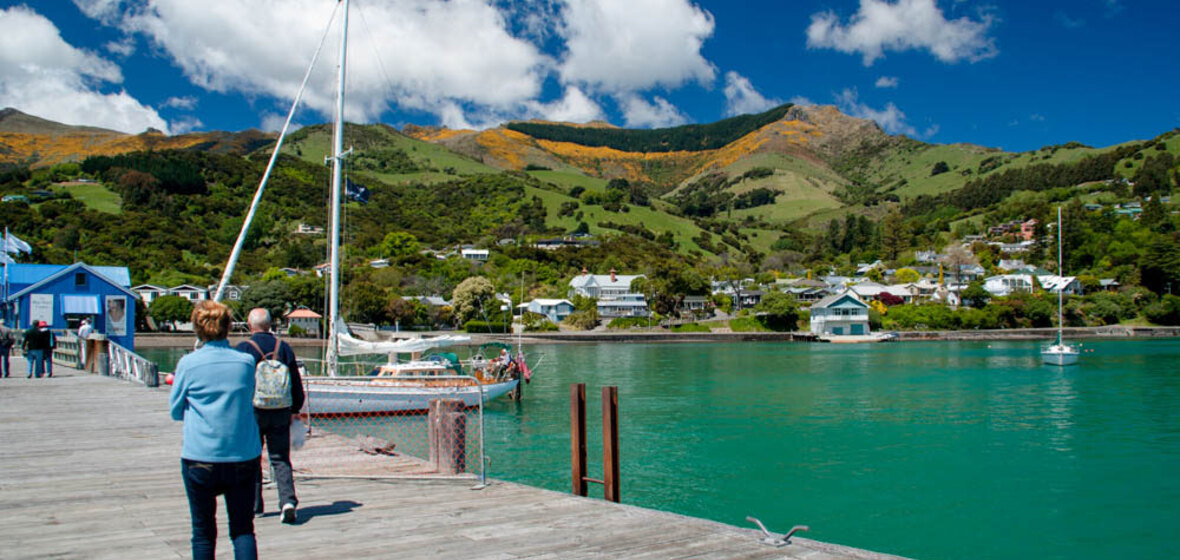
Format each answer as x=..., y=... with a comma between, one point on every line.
x=550, y=302
x=604, y=281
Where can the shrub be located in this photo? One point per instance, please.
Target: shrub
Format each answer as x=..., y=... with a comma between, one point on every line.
x=1164, y=312
x=747, y=324
x=486, y=327
x=541, y=326
x=296, y=330
x=939, y=168
x=581, y=320
x=629, y=322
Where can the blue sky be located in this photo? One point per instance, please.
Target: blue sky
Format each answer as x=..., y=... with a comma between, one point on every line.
x=1011, y=74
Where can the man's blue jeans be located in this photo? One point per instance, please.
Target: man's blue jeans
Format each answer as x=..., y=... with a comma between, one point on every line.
x=36, y=359
x=203, y=482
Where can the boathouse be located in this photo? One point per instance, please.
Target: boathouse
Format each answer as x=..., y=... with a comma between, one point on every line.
x=555, y=309
x=63, y=295
x=840, y=314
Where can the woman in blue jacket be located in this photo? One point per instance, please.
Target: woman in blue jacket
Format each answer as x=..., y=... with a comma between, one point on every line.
x=213, y=394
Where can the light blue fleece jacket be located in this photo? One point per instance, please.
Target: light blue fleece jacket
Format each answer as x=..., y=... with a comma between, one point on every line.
x=213, y=393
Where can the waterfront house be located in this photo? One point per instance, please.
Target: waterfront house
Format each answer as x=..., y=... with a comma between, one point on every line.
x=555, y=309
x=63, y=295
x=232, y=292
x=149, y=292
x=305, y=319
x=629, y=305
x=189, y=292
x=694, y=305
x=1008, y=284
x=601, y=286
x=840, y=314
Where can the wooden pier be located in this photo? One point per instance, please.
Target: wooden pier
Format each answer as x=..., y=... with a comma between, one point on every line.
x=89, y=468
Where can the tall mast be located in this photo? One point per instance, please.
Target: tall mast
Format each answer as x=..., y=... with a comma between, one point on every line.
x=337, y=174
x=1061, y=272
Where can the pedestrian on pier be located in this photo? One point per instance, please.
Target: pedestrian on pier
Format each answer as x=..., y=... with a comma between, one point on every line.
x=7, y=341
x=274, y=413
x=34, y=346
x=50, y=346
x=213, y=394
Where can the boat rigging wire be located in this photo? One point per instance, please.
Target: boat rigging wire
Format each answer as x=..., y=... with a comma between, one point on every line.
x=274, y=156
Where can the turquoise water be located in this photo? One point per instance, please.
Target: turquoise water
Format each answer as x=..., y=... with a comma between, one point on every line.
x=928, y=450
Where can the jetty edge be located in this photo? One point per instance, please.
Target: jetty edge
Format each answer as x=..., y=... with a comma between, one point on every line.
x=90, y=469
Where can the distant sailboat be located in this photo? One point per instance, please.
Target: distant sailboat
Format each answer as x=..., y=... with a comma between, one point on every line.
x=1060, y=353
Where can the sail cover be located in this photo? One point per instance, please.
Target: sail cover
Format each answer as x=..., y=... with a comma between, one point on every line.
x=351, y=346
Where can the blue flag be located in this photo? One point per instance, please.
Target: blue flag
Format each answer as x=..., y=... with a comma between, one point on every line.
x=356, y=191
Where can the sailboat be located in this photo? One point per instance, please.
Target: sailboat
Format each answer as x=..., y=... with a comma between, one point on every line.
x=1060, y=353
x=393, y=387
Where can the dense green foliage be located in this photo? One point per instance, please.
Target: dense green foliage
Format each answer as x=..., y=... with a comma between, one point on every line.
x=681, y=138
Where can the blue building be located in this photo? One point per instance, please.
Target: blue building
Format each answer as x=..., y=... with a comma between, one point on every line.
x=63, y=295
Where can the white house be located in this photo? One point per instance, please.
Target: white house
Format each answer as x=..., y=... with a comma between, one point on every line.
x=601, y=286
x=632, y=305
x=305, y=319
x=1008, y=284
x=231, y=292
x=477, y=255
x=149, y=292
x=840, y=314
x=190, y=292
x=555, y=309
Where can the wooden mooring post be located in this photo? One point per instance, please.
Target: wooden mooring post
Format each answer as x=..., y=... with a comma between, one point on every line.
x=447, y=426
x=610, y=441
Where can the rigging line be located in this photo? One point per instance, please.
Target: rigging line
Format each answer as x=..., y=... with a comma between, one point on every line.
x=274, y=156
x=376, y=51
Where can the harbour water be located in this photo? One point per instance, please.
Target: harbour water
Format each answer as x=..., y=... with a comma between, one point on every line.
x=948, y=450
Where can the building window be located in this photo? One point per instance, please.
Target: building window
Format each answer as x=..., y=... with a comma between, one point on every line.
x=79, y=278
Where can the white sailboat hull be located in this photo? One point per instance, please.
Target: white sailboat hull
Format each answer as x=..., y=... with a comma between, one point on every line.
x=1060, y=355
x=327, y=396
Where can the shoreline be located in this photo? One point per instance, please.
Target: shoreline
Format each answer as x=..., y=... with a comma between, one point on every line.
x=173, y=340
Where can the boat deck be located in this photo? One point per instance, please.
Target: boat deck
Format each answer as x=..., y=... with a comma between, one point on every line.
x=89, y=468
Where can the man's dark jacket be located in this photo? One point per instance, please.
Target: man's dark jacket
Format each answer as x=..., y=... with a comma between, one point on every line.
x=266, y=342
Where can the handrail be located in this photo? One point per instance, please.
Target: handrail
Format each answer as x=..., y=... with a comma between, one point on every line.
x=68, y=351
x=130, y=366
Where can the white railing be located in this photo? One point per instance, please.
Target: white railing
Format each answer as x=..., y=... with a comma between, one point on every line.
x=128, y=365
x=68, y=351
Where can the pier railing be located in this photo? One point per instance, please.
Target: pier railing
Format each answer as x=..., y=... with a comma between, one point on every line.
x=128, y=365
x=68, y=351
x=406, y=426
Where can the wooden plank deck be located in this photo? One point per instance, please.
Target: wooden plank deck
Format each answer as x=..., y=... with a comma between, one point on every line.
x=89, y=468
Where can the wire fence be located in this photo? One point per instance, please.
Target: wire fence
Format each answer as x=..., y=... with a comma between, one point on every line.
x=412, y=425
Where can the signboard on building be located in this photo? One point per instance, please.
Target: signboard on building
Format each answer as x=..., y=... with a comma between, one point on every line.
x=116, y=315
x=40, y=308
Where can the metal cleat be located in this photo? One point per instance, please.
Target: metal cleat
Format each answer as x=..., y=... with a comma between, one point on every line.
x=770, y=539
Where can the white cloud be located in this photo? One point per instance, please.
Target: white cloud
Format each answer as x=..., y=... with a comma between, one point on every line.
x=640, y=113
x=187, y=103
x=931, y=131
x=1068, y=22
x=619, y=46
x=903, y=25
x=106, y=11
x=741, y=97
x=890, y=118
x=421, y=54
x=575, y=106
x=801, y=101
x=1036, y=117
x=124, y=47
x=185, y=125
x=887, y=82
x=43, y=75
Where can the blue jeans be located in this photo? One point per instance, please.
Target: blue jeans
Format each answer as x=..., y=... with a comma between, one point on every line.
x=203, y=482
x=36, y=359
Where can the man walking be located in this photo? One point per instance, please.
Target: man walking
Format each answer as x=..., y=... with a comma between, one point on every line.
x=34, y=346
x=50, y=346
x=274, y=424
x=84, y=332
x=7, y=341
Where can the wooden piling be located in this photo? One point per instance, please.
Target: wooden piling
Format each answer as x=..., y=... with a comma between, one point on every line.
x=610, y=443
x=578, y=437
x=447, y=435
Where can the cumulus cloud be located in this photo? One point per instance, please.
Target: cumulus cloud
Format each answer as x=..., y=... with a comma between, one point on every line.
x=641, y=113
x=421, y=54
x=574, y=106
x=741, y=97
x=124, y=47
x=903, y=25
x=801, y=101
x=42, y=74
x=889, y=118
x=106, y=11
x=887, y=82
x=185, y=125
x=187, y=103
x=633, y=45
